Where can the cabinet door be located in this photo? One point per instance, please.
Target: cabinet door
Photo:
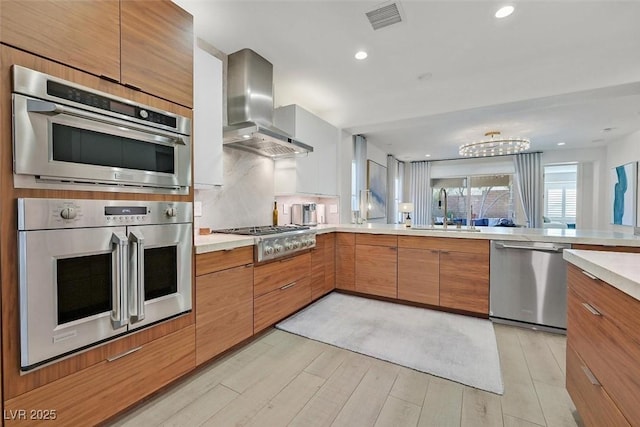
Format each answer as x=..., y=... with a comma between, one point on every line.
x=80, y=34
x=345, y=267
x=330, y=262
x=157, y=49
x=224, y=311
x=207, y=120
x=464, y=281
x=317, y=268
x=419, y=275
x=376, y=270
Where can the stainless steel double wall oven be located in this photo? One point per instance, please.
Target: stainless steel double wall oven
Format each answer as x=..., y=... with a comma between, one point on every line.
x=91, y=270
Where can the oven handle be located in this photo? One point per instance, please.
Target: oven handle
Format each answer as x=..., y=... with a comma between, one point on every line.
x=46, y=107
x=137, y=312
x=120, y=312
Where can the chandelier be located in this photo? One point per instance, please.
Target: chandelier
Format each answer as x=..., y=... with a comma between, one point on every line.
x=496, y=145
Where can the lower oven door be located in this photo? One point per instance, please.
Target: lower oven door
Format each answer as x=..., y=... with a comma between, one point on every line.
x=161, y=263
x=67, y=280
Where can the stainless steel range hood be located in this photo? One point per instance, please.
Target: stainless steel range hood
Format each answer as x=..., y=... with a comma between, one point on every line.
x=250, y=109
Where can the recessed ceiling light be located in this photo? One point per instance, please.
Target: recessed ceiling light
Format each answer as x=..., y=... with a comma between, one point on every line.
x=504, y=11
x=561, y=143
x=246, y=136
x=361, y=54
x=427, y=155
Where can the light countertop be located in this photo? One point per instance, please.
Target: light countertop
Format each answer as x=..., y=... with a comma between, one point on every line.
x=215, y=242
x=219, y=242
x=618, y=269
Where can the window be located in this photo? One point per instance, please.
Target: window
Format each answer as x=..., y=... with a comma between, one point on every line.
x=491, y=200
x=560, y=194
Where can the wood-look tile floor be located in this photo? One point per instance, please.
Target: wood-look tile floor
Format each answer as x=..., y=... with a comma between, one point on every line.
x=282, y=379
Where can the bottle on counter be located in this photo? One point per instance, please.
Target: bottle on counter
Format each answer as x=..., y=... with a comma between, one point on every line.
x=275, y=213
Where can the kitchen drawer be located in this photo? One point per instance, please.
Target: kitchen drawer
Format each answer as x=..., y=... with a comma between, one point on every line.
x=278, y=304
x=221, y=260
x=377, y=239
x=474, y=246
x=609, y=352
x=271, y=276
x=613, y=304
x=593, y=403
x=92, y=395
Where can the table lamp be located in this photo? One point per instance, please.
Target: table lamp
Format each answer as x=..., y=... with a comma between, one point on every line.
x=407, y=207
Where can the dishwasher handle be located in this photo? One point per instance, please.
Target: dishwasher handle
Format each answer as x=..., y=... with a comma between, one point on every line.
x=501, y=245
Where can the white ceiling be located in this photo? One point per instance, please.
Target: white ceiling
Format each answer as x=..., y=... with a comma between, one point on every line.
x=553, y=71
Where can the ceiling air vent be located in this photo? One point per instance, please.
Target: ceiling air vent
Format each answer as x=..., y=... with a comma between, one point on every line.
x=384, y=14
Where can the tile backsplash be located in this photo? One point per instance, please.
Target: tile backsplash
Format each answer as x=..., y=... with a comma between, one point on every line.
x=246, y=197
x=332, y=211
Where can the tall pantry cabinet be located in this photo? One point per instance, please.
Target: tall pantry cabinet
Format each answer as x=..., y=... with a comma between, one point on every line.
x=140, y=50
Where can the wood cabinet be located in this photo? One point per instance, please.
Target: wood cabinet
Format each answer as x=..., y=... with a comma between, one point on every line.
x=316, y=172
x=157, y=49
x=80, y=34
x=449, y=272
x=280, y=288
x=224, y=301
x=419, y=275
x=603, y=349
x=322, y=266
x=110, y=386
x=346, y=261
x=377, y=264
x=144, y=45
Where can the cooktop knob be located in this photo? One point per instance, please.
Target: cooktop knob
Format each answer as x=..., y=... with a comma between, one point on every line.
x=296, y=244
x=277, y=248
x=288, y=246
x=171, y=212
x=144, y=114
x=68, y=213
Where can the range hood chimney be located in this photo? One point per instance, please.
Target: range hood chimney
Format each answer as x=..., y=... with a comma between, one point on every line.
x=250, y=109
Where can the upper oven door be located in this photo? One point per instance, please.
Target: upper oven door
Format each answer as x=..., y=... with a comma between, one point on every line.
x=160, y=273
x=56, y=142
x=69, y=290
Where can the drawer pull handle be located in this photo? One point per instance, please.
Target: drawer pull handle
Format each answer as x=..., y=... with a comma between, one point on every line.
x=591, y=309
x=589, y=275
x=290, y=285
x=592, y=379
x=126, y=353
x=444, y=252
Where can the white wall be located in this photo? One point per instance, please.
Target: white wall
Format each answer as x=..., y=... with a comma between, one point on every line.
x=625, y=150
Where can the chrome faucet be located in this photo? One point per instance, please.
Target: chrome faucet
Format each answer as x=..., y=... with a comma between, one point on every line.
x=444, y=220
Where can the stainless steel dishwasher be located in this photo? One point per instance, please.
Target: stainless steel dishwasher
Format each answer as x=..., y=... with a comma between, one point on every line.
x=528, y=284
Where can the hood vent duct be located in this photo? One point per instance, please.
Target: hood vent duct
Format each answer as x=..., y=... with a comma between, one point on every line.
x=250, y=109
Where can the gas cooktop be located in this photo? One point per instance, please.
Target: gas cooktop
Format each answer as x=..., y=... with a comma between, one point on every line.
x=262, y=230
x=276, y=241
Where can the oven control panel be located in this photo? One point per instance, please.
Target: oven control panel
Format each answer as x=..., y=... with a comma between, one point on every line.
x=38, y=214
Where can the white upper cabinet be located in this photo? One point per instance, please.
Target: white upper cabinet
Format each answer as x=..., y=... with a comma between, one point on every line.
x=315, y=173
x=207, y=119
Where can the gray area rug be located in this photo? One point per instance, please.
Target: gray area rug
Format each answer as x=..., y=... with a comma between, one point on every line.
x=451, y=346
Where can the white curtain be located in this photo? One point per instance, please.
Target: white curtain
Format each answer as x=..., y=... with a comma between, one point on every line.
x=528, y=168
x=395, y=178
x=420, y=192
